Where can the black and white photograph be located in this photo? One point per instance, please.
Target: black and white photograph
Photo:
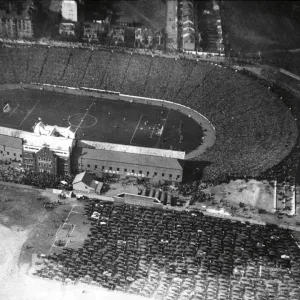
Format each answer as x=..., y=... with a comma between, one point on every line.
x=149, y=149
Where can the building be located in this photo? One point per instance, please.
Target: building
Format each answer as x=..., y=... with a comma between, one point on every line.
x=99, y=162
x=188, y=27
x=69, y=10
x=11, y=148
x=43, y=160
x=125, y=21
x=53, y=149
x=84, y=182
x=90, y=30
x=15, y=26
x=67, y=29
x=15, y=21
x=49, y=130
x=140, y=200
x=52, y=142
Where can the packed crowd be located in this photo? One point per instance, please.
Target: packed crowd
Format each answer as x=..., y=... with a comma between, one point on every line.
x=46, y=180
x=255, y=129
x=11, y=174
x=180, y=255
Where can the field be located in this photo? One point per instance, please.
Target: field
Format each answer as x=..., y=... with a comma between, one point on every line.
x=102, y=120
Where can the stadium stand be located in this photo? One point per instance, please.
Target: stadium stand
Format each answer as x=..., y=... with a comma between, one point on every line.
x=178, y=76
x=55, y=64
x=75, y=69
x=116, y=71
x=255, y=129
x=7, y=65
x=37, y=57
x=136, y=75
x=158, y=77
x=96, y=69
x=20, y=62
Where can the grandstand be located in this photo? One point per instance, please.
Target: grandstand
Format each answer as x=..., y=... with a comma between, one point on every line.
x=255, y=129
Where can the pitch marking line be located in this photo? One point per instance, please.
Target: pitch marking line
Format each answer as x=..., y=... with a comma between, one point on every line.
x=69, y=235
x=152, y=131
x=30, y=112
x=82, y=119
x=163, y=128
x=60, y=227
x=14, y=110
x=136, y=128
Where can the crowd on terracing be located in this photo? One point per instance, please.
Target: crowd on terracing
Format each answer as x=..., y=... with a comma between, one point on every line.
x=180, y=255
x=255, y=128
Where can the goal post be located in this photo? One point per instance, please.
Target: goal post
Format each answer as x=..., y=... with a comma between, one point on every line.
x=6, y=108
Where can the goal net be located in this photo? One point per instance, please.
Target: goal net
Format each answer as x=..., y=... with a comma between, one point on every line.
x=6, y=108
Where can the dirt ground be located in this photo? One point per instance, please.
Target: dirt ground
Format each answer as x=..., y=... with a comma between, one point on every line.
x=17, y=284
x=254, y=193
x=25, y=222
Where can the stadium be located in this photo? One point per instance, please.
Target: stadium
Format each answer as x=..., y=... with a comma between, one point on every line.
x=107, y=111
x=254, y=129
x=149, y=149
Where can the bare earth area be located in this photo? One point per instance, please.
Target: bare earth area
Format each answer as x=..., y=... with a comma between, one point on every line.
x=28, y=224
x=16, y=283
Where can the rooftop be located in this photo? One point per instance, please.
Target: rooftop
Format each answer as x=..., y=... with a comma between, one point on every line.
x=84, y=177
x=129, y=158
x=8, y=141
x=36, y=140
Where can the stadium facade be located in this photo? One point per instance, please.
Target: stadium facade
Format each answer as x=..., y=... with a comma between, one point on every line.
x=56, y=150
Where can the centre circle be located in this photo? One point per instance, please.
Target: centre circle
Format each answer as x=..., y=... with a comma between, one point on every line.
x=82, y=120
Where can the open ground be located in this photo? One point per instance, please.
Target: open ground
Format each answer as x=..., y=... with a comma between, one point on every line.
x=102, y=120
x=29, y=229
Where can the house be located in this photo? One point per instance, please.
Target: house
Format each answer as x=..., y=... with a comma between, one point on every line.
x=90, y=30
x=15, y=26
x=84, y=182
x=11, y=148
x=67, y=29
x=125, y=21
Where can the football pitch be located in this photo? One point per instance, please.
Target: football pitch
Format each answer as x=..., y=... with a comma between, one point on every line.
x=101, y=120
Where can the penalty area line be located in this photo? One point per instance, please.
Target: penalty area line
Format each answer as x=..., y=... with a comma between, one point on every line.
x=14, y=110
x=30, y=112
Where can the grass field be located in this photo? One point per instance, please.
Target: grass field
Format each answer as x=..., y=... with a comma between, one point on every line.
x=102, y=120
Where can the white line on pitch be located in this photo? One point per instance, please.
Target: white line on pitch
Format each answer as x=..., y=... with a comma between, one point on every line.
x=137, y=126
x=82, y=119
x=152, y=132
x=163, y=128
x=29, y=112
x=14, y=110
x=60, y=227
x=69, y=235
